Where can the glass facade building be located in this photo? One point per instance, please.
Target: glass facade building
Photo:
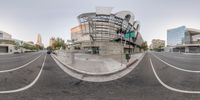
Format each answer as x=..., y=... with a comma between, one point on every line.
x=176, y=36
x=182, y=36
x=184, y=39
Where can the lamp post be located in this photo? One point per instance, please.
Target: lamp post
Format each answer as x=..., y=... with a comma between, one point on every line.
x=129, y=46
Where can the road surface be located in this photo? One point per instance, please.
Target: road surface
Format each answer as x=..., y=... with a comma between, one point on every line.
x=43, y=79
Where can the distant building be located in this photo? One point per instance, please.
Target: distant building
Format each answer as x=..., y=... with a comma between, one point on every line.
x=150, y=47
x=157, y=44
x=183, y=39
x=52, y=41
x=39, y=40
x=103, y=32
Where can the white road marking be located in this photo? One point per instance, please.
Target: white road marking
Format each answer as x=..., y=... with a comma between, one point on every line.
x=22, y=56
x=9, y=70
x=181, y=69
x=169, y=87
x=28, y=86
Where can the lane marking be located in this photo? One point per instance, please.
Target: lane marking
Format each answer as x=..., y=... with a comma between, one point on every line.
x=9, y=70
x=169, y=87
x=181, y=69
x=28, y=86
x=22, y=56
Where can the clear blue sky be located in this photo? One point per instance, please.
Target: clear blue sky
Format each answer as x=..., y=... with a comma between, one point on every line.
x=25, y=18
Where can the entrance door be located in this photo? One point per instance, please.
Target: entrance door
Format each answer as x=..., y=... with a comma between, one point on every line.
x=95, y=50
x=3, y=49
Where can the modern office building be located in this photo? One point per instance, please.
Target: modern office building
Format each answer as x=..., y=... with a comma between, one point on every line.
x=105, y=33
x=184, y=39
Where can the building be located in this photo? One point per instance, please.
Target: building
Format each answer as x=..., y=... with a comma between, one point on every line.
x=52, y=41
x=150, y=47
x=103, y=32
x=4, y=35
x=183, y=39
x=6, y=43
x=39, y=40
x=157, y=44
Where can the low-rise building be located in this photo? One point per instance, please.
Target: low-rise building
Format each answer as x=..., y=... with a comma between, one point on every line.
x=8, y=45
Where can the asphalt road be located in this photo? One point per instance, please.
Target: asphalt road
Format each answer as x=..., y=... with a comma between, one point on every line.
x=44, y=80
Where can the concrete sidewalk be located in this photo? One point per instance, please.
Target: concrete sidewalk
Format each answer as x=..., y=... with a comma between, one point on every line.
x=191, y=54
x=95, y=63
x=5, y=53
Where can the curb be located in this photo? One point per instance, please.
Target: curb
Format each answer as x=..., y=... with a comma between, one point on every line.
x=94, y=77
x=96, y=74
x=131, y=63
x=195, y=54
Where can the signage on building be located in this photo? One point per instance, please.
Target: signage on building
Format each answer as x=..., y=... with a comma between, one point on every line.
x=130, y=34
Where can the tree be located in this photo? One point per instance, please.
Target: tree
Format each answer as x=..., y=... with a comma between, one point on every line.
x=58, y=43
x=144, y=46
x=17, y=45
x=49, y=48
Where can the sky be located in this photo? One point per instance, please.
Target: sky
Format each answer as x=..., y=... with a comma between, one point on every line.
x=24, y=19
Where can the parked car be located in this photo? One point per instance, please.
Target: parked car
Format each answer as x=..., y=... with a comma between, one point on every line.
x=54, y=53
x=16, y=52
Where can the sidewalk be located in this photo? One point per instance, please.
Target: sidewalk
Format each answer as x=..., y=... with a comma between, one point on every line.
x=5, y=53
x=95, y=63
x=191, y=53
